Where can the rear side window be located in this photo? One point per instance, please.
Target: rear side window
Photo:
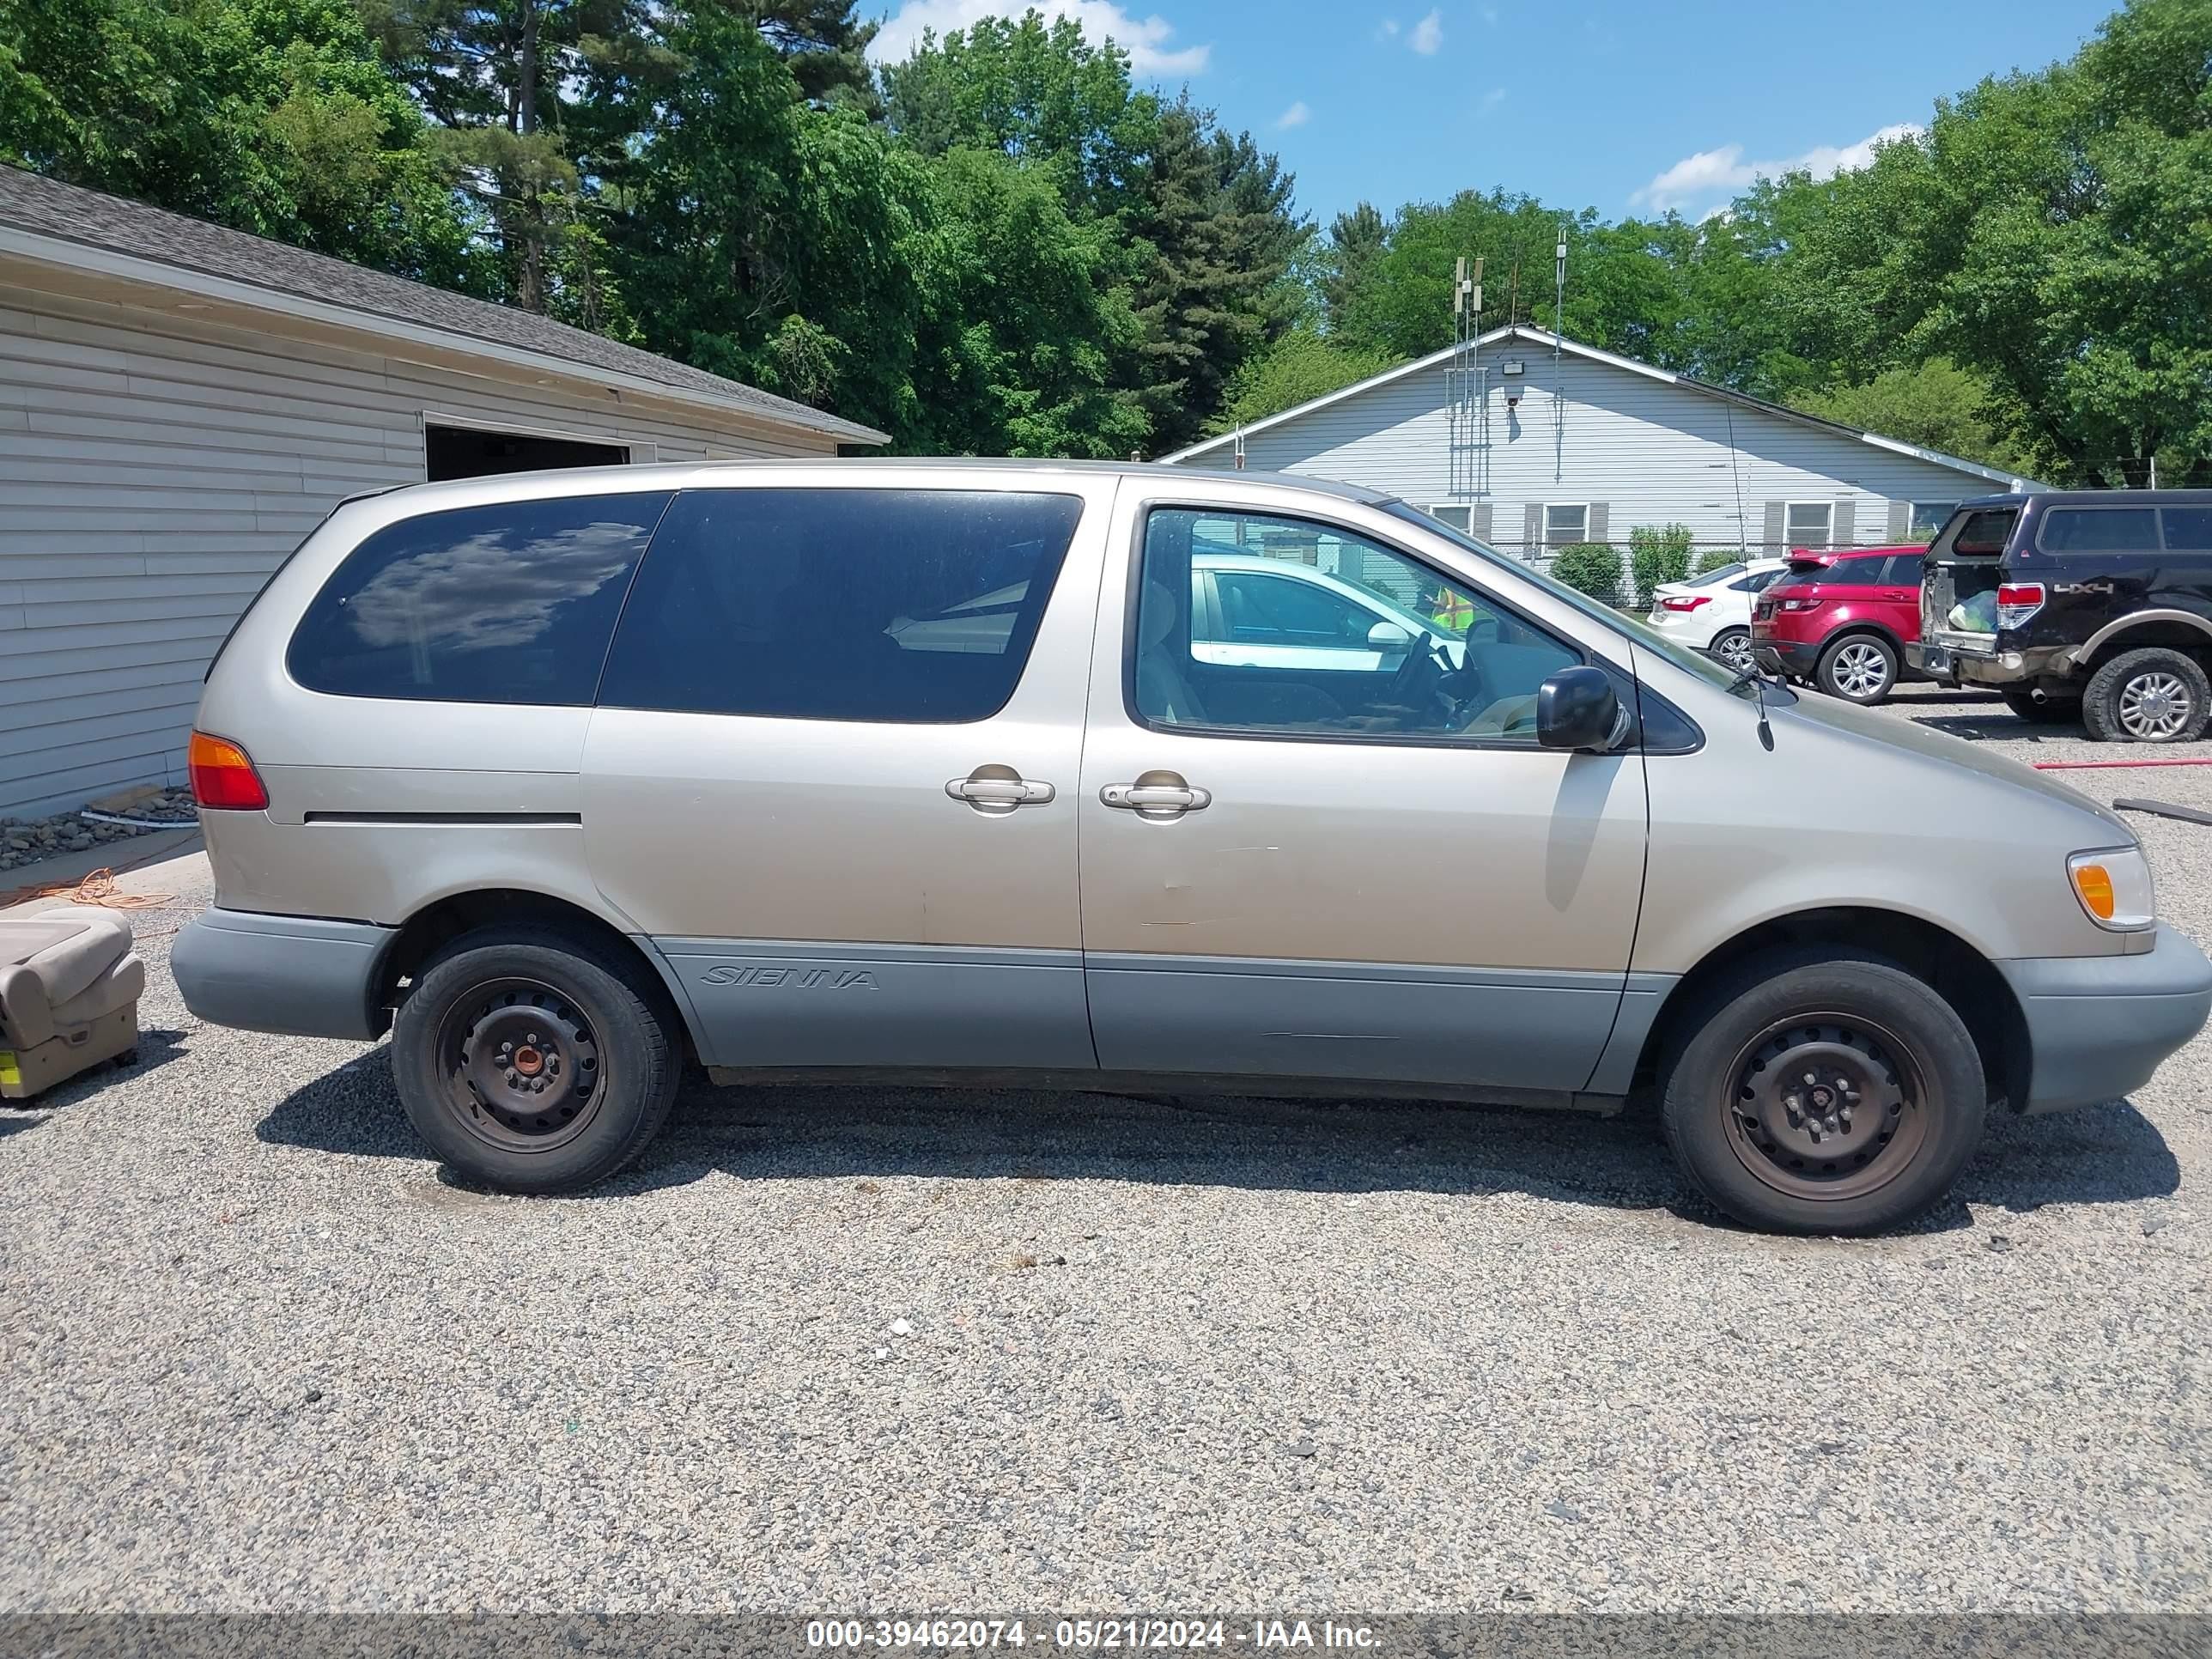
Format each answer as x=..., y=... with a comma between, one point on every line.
x=907, y=605
x=1854, y=572
x=2188, y=529
x=512, y=603
x=1903, y=571
x=2098, y=530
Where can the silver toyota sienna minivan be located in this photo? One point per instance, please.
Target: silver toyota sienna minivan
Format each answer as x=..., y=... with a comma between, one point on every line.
x=1120, y=777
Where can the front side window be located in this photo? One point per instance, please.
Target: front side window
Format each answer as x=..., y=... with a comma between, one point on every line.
x=916, y=606
x=1565, y=523
x=2098, y=530
x=1339, y=652
x=511, y=603
x=1807, y=523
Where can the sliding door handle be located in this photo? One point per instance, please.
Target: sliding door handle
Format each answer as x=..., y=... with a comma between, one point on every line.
x=997, y=790
x=1157, y=795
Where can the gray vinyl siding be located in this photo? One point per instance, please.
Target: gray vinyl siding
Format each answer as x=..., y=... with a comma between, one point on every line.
x=1636, y=449
x=155, y=466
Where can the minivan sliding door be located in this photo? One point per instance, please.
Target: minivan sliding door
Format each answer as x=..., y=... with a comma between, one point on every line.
x=832, y=774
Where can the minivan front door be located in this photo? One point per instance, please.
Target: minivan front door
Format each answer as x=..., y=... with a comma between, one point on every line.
x=1376, y=876
x=833, y=770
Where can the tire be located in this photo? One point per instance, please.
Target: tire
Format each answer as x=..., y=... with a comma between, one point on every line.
x=597, y=1065
x=2150, y=695
x=1878, y=1039
x=1860, y=668
x=1731, y=647
x=2052, y=711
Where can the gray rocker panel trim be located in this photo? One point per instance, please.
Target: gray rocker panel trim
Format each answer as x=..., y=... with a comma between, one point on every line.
x=1494, y=1027
x=762, y=1004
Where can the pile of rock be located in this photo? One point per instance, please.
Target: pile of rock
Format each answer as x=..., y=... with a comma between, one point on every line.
x=24, y=843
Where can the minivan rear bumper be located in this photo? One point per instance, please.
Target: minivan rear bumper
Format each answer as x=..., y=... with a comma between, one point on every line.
x=294, y=975
x=2099, y=1026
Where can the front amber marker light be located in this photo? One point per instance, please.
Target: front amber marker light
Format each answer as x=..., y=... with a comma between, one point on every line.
x=2094, y=883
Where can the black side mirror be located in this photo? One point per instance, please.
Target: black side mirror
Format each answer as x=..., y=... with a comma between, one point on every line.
x=1576, y=708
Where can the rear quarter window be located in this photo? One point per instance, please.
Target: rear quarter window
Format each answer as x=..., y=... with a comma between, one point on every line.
x=511, y=603
x=913, y=606
x=2188, y=529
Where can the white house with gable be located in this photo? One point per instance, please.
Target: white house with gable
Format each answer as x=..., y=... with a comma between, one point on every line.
x=1533, y=443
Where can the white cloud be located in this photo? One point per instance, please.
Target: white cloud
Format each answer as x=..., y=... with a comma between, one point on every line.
x=1491, y=101
x=1390, y=27
x=1295, y=116
x=1428, y=34
x=1144, y=39
x=1696, y=181
x=1488, y=14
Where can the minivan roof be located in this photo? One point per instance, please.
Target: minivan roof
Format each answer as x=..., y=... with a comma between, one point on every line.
x=678, y=474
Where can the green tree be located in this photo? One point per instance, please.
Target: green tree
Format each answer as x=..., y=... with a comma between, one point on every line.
x=272, y=116
x=1936, y=403
x=1304, y=364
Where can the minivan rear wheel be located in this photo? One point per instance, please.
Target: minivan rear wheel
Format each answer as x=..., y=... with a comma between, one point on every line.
x=1817, y=1093
x=1859, y=668
x=533, y=1063
x=2151, y=695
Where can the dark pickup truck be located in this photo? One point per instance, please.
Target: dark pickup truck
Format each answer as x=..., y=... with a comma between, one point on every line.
x=2094, y=604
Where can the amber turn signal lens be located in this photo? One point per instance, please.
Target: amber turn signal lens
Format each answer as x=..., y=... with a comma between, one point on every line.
x=223, y=776
x=2094, y=883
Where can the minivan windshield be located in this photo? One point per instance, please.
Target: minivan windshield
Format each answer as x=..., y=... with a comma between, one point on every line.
x=1694, y=662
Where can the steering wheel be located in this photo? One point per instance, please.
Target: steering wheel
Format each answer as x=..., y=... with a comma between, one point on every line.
x=1419, y=683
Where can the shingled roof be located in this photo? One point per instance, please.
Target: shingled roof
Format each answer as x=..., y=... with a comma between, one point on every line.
x=93, y=220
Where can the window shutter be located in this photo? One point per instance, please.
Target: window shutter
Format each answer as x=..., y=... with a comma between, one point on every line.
x=1598, y=516
x=1774, y=542
x=1900, y=521
x=1532, y=529
x=1843, y=531
x=1481, y=517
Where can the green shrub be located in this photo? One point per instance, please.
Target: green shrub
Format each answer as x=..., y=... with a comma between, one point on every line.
x=1716, y=559
x=1591, y=568
x=1657, y=553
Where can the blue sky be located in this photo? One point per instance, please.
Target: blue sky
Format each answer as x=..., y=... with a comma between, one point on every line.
x=1610, y=104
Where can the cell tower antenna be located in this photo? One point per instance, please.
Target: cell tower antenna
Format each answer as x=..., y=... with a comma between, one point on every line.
x=1559, y=329
x=1467, y=410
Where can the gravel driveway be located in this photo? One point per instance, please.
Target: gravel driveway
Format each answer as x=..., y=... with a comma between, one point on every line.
x=895, y=1351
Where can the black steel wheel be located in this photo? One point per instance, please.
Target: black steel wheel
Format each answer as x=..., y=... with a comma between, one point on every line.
x=1816, y=1091
x=531, y=1063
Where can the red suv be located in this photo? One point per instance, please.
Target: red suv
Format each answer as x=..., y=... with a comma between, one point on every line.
x=1841, y=620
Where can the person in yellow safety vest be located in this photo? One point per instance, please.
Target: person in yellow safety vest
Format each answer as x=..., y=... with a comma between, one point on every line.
x=1451, y=609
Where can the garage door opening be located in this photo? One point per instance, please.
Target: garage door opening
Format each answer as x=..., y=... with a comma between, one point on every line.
x=461, y=451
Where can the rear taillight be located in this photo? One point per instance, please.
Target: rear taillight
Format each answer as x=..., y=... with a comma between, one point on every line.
x=223, y=776
x=1800, y=604
x=2017, y=602
x=1685, y=601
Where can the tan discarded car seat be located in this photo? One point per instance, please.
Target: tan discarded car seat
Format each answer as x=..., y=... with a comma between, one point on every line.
x=69, y=985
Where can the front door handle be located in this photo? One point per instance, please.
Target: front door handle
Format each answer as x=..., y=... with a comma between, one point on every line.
x=1157, y=795
x=996, y=791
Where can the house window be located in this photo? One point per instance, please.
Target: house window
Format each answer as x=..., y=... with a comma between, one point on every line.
x=1807, y=524
x=1565, y=523
x=469, y=452
x=1928, y=517
x=1459, y=517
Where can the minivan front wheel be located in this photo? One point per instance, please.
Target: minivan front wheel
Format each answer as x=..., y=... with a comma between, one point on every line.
x=1859, y=668
x=531, y=1063
x=2151, y=695
x=1823, y=1094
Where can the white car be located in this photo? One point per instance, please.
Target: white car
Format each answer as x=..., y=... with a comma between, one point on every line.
x=1246, y=611
x=1712, y=612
